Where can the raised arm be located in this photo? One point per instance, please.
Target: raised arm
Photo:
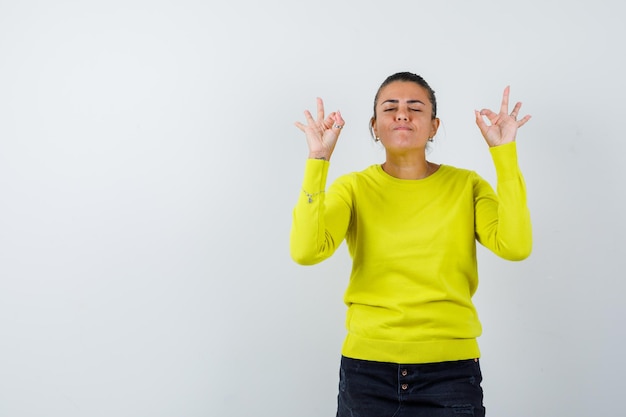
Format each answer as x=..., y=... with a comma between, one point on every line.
x=502, y=219
x=319, y=221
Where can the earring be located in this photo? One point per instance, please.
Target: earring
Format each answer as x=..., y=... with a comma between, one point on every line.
x=377, y=139
x=430, y=139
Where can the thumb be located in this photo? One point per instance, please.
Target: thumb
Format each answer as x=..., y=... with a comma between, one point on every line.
x=480, y=121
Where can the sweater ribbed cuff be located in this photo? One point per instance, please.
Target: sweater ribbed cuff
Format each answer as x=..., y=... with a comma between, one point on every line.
x=505, y=161
x=315, y=175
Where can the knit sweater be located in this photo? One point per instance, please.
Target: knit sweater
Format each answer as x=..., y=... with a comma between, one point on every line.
x=413, y=247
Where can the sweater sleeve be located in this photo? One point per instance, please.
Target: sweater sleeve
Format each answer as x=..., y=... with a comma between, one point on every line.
x=502, y=220
x=320, y=219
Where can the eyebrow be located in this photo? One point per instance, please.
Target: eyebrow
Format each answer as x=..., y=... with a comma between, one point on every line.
x=395, y=101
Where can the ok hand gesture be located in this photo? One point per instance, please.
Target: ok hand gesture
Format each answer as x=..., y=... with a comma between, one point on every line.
x=503, y=126
x=321, y=134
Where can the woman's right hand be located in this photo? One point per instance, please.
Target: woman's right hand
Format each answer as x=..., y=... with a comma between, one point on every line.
x=321, y=134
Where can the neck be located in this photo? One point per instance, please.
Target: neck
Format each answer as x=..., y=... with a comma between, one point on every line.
x=407, y=170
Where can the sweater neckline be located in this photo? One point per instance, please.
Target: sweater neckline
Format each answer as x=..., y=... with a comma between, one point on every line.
x=389, y=178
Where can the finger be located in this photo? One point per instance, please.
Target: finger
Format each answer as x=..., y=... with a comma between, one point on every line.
x=516, y=109
x=309, y=118
x=334, y=121
x=504, y=107
x=337, y=121
x=330, y=120
x=300, y=126
x=522, y=122
x=492, y=116
x=320, y=110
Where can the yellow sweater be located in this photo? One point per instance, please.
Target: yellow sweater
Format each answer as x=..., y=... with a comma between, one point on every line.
x=413, y=246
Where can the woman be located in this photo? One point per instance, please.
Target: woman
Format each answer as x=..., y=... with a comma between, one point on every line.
x=411, y=228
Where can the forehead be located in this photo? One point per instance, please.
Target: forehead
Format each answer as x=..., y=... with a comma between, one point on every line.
x=403, y=90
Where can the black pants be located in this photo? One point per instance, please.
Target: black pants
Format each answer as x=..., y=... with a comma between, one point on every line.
x=379, y=389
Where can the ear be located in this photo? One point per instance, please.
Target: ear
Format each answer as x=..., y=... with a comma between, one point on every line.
x=434, y=126
x=373, y=126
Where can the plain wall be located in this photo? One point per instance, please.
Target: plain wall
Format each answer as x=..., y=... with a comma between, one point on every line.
x=149, y=166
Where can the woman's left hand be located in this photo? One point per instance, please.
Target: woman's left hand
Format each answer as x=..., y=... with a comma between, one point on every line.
x=503, y=126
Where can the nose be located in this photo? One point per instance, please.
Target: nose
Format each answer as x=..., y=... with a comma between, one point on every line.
x=401, y=114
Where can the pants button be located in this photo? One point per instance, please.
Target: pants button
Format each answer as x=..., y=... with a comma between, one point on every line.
x=404, y=372
x=405, y=386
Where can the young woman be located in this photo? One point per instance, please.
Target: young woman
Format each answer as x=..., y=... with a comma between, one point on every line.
x=411, y=228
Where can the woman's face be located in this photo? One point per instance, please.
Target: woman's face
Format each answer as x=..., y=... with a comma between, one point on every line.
x=404, y=117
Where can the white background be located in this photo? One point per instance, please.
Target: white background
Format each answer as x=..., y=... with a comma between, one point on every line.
x=149, y=165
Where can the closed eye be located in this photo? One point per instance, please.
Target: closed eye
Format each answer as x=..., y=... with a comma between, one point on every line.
x=394, y=109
